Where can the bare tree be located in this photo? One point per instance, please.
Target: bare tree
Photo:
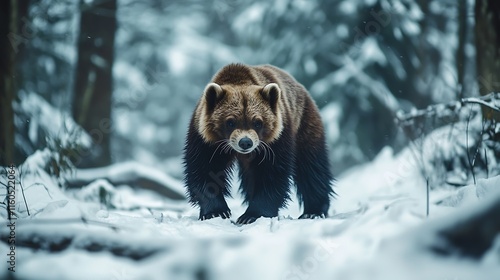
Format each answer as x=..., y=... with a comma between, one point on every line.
x=8, y=25
x=94, y=80
x=487, y=31
x=464, y=63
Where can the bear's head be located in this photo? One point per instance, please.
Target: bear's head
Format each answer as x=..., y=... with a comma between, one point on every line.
x=242, y=116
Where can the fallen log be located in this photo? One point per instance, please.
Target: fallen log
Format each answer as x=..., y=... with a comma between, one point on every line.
x=132, y=174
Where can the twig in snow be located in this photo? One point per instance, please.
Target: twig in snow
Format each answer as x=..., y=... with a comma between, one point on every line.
x=22, y=189
x=479, y=144
x=486, y=163
x=471, y=164
x=428, y=191
x=40, y=184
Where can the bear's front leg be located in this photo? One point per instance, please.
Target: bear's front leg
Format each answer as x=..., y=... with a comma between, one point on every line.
x=212, y=207
x=207, y=187
x=205, y=175
x=266, y=187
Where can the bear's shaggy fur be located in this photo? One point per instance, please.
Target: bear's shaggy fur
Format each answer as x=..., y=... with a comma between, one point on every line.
x=263, y=119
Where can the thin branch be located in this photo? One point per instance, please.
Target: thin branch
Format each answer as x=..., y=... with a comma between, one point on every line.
x=43, y=185
x=471, y=164
x=22, y=189
x=481, y=102
x=480, y=143
x=486, y=163
x=428, y=200
x=485, y=100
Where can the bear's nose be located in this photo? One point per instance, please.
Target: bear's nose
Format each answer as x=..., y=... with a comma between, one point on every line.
x=245, y=143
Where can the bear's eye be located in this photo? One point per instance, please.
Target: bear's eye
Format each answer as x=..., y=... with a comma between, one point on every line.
x=230, y=123
x=257, y=124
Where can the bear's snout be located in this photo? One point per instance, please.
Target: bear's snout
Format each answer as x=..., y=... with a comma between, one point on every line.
x=245, y=143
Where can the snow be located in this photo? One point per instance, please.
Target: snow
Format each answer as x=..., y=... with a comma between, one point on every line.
x=41, y=115
x=377, y=230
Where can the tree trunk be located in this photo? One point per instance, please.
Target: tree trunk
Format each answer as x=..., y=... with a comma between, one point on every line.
x=94, y=80
x=487, y=31
x=463, y=64
x=8, y=25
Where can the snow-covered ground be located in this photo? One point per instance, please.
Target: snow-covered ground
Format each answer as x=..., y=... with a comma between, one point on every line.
x=377, y=229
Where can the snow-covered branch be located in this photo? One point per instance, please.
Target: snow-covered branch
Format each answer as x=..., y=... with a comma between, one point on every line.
x=132, y=174
x=491, y=101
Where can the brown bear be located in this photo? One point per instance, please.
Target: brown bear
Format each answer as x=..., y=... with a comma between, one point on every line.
x=261, y=118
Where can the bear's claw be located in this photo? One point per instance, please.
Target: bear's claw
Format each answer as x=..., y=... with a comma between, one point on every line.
x=312, y=216
x=224, y=215
x=246, y=219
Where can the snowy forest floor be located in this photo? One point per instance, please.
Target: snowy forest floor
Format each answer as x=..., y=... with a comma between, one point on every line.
x=377, y=229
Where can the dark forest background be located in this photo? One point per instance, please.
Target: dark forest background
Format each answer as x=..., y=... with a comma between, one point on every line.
x=129, y=72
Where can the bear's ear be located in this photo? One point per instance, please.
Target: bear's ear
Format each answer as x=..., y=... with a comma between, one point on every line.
x=213, y=94
x=271, y=93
